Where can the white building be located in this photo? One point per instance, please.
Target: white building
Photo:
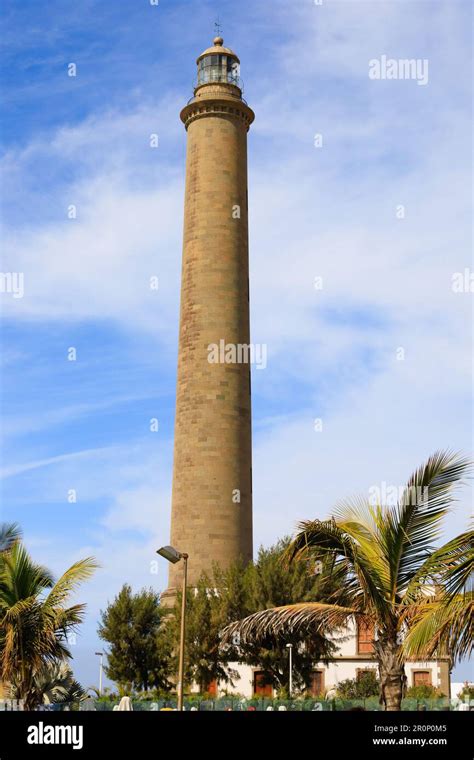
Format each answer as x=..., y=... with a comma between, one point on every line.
x=354, y=657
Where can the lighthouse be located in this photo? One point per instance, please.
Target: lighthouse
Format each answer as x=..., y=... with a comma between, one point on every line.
x=211, y=513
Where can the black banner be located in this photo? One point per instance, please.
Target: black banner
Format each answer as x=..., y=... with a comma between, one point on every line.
x=119, y=734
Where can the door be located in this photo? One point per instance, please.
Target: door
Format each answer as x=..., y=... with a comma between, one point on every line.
x=317, y=683
x=422, y=678
x=260, y=688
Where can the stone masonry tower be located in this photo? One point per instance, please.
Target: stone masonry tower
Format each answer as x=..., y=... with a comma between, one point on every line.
x=211, y=516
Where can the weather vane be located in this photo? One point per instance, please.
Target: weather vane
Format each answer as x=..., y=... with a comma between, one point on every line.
x=218, y=27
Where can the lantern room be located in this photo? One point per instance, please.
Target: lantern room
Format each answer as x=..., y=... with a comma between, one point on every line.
x=218, y=64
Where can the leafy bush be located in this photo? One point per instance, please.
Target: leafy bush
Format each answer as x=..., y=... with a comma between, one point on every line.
x=424, y=691
x=367, y=685
x=466, y=692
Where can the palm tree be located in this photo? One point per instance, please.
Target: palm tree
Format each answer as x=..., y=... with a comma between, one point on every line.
x=56, y=684
x=388, y=569
x=34, y=619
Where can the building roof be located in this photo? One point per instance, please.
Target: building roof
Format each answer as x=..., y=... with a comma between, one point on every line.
x=218, y=49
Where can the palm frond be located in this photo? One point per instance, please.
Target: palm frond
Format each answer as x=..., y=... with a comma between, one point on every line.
x=441, y=628
x=303, y=618
x=351, y=548
x=414, y=525
x=450, y=567
x=78, y=572
x=9, y=534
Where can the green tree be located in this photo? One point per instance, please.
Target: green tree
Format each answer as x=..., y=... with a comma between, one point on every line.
x=242, y=589
x=204, y=662
x=140, y=646
x=35, y=620
x=387, y=559
x=272, y=582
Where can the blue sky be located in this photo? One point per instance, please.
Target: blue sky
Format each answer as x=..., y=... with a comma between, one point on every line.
x=325, y=212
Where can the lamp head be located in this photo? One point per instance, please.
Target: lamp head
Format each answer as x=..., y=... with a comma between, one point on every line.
x=170, y=553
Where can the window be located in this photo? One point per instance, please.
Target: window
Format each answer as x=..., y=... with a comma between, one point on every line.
x=218, y=68
x=211, y=69
x=233, y=71
x=260, y=688
x=365, y=635
x=422, y=678
x=317, y=683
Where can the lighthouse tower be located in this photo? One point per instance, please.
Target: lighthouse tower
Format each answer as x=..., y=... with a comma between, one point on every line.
x=211, y=516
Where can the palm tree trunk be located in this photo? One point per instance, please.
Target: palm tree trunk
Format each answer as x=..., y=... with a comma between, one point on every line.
x=391, y=671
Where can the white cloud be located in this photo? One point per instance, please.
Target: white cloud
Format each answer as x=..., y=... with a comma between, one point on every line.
x=20, y=468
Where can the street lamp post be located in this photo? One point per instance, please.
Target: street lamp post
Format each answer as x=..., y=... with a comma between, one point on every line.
x=290, y=685
x=173, y=555
x=101, y=667
x=182, y=634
